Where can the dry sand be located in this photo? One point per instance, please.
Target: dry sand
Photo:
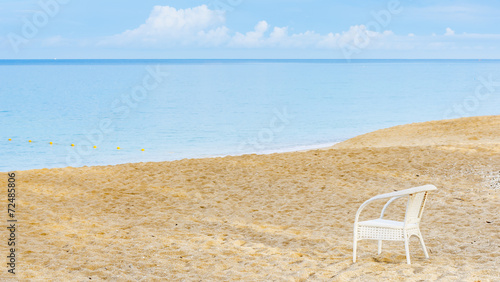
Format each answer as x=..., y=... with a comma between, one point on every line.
x=282, y=217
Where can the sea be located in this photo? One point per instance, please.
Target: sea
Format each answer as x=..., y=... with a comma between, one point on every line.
x=59, y=113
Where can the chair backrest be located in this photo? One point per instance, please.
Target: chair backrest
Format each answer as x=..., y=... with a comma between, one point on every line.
x=415, y=207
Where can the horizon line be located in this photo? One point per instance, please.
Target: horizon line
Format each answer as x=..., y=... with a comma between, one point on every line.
x=56, y=61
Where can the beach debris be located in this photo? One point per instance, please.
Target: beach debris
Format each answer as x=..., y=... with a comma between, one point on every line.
x=491, y=178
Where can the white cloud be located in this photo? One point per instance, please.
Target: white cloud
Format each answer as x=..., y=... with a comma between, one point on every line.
x=200, y=26
x=360, y=36
x=252, y=38
x=167, y=25
x=357, y=35
x=213, y=37
x=279, y=35
x=303, y=40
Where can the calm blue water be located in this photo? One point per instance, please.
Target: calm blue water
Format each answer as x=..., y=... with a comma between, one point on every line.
x=218, y=107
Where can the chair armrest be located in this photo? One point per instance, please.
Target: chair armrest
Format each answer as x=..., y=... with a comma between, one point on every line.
x=372, y=200
x=363, y=205
x=388, y=203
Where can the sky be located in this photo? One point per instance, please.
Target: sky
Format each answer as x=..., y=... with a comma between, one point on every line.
x=250, y=29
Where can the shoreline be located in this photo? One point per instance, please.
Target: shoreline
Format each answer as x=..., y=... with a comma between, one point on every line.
x=299, y=148
x=412, y=137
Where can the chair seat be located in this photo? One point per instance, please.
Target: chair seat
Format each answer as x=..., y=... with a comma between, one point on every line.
x=385, y=223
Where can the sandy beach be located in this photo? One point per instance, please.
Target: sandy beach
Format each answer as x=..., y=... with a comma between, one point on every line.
x=276, y=217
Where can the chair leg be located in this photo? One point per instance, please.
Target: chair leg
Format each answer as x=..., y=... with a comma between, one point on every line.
x=423, y=245
x=354, y=246
x=379, y=246
x=407, y=249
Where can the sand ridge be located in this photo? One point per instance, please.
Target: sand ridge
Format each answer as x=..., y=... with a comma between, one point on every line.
x=285, y=217
x=466, y=131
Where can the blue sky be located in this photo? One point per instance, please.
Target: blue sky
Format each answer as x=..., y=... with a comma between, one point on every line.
x=84, y=29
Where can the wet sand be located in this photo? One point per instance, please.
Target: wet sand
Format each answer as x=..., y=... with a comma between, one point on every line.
x=282, y=217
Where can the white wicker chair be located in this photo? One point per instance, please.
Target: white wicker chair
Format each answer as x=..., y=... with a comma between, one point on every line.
x=383, y=229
